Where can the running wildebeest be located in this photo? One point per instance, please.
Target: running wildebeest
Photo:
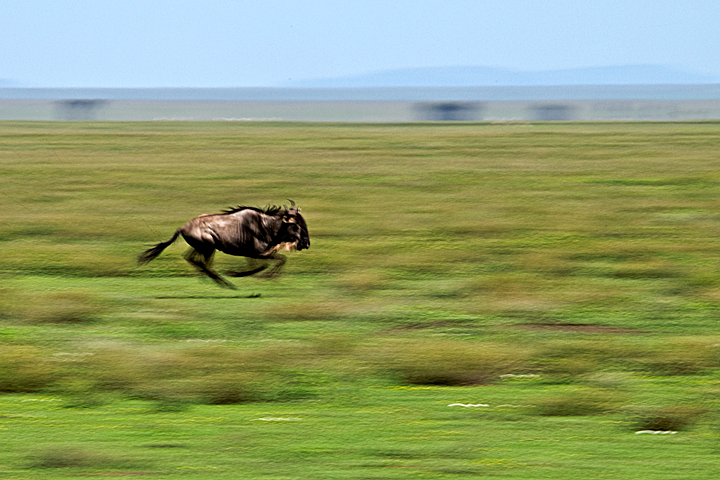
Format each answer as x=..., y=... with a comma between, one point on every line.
x=258, y=234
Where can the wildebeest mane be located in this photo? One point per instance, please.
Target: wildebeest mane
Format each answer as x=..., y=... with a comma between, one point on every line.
x=269, y=210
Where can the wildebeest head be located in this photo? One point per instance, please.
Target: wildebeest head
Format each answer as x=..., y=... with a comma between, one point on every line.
x=295, y=227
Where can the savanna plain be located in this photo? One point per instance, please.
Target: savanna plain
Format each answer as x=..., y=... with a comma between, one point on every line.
x=513, y=300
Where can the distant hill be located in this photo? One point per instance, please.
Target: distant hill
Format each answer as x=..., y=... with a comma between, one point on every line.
x=489, y=76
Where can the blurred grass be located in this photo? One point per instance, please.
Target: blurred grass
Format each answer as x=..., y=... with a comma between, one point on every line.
x=569, y=269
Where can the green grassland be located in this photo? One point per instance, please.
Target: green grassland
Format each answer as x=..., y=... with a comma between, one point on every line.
x=479, y=300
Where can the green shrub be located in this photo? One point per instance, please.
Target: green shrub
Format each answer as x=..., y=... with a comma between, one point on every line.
x=447, y=362
x=70, y=456
x=25, y=369
x=665, y=418
x=61, y=456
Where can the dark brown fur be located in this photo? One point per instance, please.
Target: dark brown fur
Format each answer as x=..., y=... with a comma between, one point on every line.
x=241, y=231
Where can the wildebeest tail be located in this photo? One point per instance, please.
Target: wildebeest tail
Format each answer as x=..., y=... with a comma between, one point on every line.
x=153, y=252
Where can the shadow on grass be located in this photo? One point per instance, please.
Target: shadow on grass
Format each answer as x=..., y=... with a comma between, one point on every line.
x=206, y=297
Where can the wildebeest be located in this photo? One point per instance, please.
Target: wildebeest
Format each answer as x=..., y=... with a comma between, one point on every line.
x=258, y=234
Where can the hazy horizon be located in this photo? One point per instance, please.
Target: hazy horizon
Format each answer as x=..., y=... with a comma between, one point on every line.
x=482, y=76
x=224, y=44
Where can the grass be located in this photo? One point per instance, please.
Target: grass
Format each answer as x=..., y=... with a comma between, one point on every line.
x=558, y=276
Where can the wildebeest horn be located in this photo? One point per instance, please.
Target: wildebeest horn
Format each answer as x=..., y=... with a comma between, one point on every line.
x=292, y=203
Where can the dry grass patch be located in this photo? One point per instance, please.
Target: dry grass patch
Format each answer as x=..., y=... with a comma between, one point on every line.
x=59, y=307
x=582, y=402
x=362, y=282
x=448, y=362
x=568, y=359
x=193, y=374
x=305, y=311
x=679, y=356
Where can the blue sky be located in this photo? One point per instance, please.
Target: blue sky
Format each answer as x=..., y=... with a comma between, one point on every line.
x=180, y=43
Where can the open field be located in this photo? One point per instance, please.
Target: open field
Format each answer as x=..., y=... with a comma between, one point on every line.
x=560, y=278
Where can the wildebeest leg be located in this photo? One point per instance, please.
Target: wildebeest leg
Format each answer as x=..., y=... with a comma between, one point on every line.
x=203, y=262
x=280, y=259
x=254, y=266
